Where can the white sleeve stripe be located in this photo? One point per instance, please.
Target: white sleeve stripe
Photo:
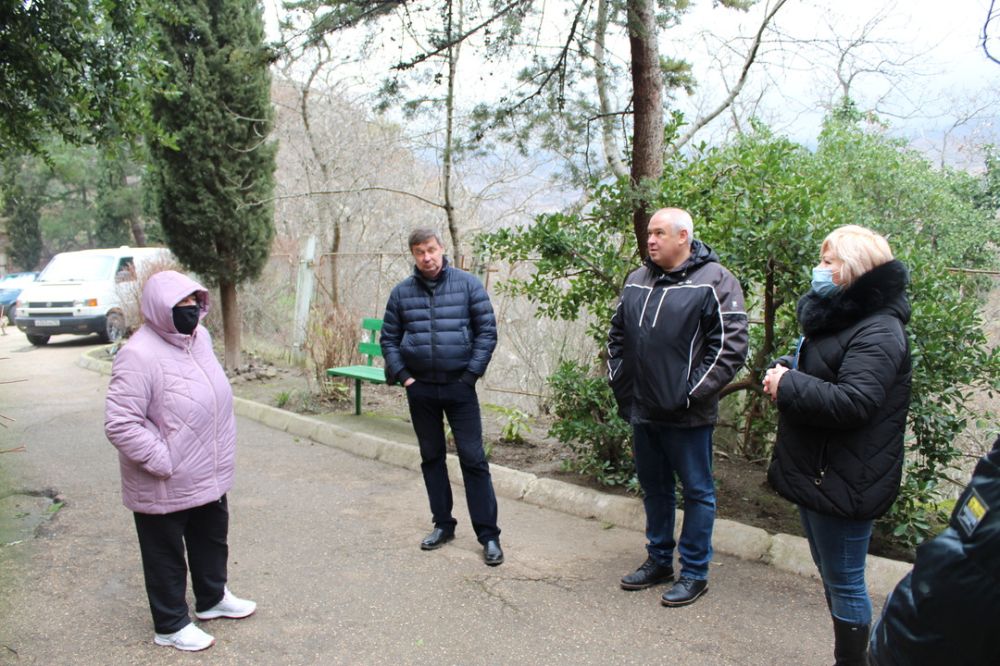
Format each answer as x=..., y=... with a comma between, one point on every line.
x=722, y=345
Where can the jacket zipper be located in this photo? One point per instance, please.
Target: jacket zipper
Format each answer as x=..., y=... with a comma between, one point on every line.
x=215, y=417
x=821, y=467
x=432, y=327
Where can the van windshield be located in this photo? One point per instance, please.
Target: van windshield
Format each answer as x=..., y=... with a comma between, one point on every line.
x=78, y=268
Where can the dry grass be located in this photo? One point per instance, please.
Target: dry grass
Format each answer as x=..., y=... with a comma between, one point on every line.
x=332, y=338
x=130, y=292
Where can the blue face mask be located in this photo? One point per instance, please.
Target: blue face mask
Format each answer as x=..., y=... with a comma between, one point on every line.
x=822, y=282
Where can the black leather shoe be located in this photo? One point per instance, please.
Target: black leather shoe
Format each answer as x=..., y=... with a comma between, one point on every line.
x=685, y=591
x=437, y=538
x=649, y=574
x=492, y=554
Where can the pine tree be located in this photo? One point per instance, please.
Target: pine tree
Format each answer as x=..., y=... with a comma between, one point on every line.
x=212, y=185
x=22, y=190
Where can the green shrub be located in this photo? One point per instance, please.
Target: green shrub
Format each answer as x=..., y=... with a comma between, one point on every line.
x=516, y=425
x=589, y=425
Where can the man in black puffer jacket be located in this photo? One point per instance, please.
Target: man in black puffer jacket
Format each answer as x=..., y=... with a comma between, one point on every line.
x=947, y=610
x=438, y=336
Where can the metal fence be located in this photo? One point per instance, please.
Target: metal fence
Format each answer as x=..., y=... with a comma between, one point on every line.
x=276, y=306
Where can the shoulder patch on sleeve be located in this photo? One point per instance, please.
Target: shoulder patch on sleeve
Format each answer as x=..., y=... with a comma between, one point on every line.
x=972, y=512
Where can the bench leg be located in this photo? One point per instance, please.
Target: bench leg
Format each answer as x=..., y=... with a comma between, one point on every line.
x=357, y=397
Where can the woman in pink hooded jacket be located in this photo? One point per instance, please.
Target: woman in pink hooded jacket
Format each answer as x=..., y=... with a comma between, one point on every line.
x=169, y=412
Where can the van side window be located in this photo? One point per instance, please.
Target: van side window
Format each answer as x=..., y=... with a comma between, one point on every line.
x=126, y=270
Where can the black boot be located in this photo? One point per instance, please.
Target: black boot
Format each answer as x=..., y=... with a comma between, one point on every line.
x=850, y=643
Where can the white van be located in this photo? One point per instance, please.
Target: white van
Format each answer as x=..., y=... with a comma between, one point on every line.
x=81, y=292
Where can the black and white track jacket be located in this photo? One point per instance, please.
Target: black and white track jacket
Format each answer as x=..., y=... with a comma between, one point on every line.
x=677, y=338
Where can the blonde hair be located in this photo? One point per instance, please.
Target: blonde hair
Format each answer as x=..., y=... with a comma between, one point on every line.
x=859, y=249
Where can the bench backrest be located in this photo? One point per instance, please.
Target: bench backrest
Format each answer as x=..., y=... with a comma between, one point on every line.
x=370, y=347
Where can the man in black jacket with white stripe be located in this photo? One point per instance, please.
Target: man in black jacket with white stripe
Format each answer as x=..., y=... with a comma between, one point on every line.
x=438, y=336
x=678, y=337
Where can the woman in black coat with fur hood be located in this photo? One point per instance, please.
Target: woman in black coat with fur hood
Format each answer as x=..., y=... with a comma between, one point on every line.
x=842, y=400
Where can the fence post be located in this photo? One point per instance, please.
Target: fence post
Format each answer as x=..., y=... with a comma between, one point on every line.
x=303, y=295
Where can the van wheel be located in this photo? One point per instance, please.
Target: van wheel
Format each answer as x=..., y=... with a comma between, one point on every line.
x=38, y=340
x=114, y=327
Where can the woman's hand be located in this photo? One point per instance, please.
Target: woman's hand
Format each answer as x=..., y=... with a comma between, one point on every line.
x=771, y=380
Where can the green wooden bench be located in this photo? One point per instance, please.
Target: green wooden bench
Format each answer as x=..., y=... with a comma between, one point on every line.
x=369, y=372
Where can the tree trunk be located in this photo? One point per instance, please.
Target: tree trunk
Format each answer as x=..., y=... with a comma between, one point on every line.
x=325, y=204
x=448, y=156
x=647, y=102
x=132, y=219
x=611, y=152
x=232, y=323
x=138, y=233
x=754, y=443
x=335, y=265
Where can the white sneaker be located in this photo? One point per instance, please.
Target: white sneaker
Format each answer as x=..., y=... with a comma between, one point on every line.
x=230, y=606
x=189, y=639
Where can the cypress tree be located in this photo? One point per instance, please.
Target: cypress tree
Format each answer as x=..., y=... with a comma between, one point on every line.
x=211, y=184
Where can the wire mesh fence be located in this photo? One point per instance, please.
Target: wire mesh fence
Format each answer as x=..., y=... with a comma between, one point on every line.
x=349, y=286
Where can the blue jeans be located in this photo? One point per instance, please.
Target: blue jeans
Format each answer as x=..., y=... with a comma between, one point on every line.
x=429, y=405
x=839, y=547
x=662, y=454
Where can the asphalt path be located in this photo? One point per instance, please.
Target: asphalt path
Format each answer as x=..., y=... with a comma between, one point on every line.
x=327, y=544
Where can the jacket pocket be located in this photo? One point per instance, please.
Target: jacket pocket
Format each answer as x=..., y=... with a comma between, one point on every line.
x=661, y=392
x=621, y=386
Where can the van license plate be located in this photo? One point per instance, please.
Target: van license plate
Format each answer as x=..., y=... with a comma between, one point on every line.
x=46, y=322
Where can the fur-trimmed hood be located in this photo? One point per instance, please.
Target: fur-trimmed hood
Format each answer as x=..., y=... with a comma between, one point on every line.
x=882, y=288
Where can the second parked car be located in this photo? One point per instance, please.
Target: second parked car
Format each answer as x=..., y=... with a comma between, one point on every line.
x=10, y=287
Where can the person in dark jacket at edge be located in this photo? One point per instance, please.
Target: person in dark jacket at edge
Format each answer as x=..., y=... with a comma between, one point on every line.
x=947, y=609
x=678, y=337
x=842, y=401
x=438, y=335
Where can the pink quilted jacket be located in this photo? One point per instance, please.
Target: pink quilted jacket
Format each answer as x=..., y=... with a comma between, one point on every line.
x=169, y=409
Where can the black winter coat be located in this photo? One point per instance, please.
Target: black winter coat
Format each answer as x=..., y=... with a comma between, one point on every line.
x=440, y=333
x=842, y=409
x=677, y=338
x=947, y=609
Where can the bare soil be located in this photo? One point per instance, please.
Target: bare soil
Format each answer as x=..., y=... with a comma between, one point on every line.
x=742, y=492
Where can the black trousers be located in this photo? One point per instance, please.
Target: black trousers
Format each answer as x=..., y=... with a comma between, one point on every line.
x=429, y=404
x=163, y=539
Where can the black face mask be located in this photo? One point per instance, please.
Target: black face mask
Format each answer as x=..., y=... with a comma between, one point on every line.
x=186, y=318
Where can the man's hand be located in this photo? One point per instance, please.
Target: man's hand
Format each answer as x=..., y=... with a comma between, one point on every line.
x=408, y=382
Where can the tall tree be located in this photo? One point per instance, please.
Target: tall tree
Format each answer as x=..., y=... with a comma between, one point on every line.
x=544, y=105
x=74, y=68
x=119, y=201
x=211, y=186
x=23, y=193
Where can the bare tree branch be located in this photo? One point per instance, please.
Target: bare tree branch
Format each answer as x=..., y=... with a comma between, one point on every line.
x=744, y=72
x=990, y=15
x=354, y=190
x=462, y=36
x=611, y=152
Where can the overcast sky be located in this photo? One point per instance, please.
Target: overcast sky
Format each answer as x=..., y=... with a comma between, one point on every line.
x=933, y=66
x=931, y=69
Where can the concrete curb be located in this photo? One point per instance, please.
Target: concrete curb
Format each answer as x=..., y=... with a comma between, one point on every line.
x=782, y=551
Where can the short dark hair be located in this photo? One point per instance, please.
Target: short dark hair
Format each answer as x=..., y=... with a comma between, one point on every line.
x=422, y=235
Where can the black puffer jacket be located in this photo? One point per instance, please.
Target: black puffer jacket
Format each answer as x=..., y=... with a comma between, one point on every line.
x=842, y=410
x=677, y=338
x=440, y=333
x=947, y=610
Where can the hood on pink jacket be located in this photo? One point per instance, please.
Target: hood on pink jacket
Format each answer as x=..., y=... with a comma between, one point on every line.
x=162, y=292
x=169, y=408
